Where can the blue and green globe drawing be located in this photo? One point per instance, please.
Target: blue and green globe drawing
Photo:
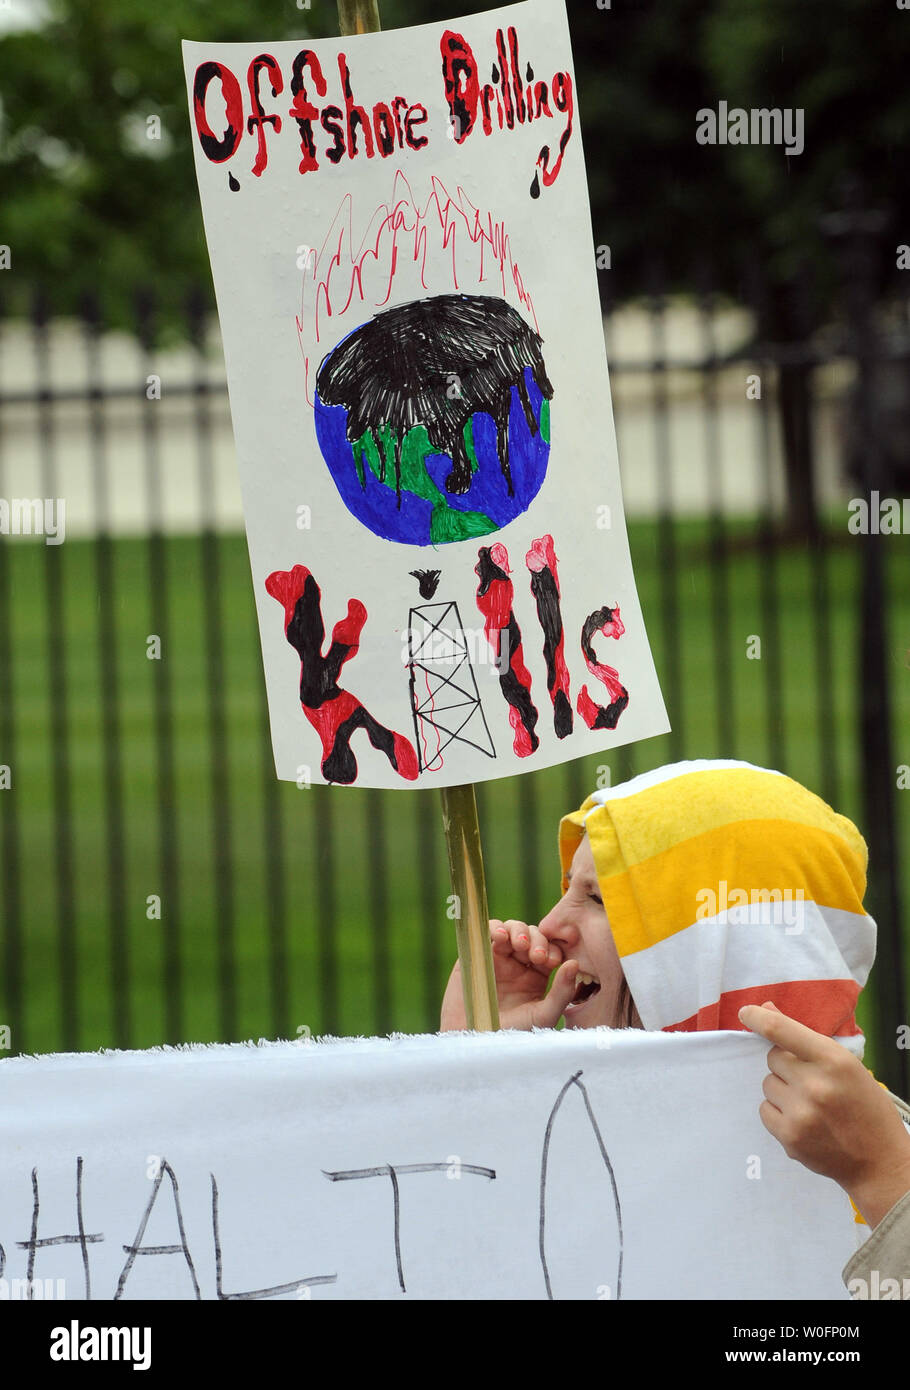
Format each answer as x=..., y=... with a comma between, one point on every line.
x=434, y=418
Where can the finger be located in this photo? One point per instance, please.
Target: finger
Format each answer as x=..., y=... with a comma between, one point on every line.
x=770, y=1117
x=499, y=936
x=520, y=938
x=544, y=954
x=776, y=1091
x=794, y=1037
x=784, y=1064
x=555, y=956
x=551, y=1009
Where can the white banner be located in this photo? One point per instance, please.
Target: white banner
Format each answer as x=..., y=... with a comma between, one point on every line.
x=507, y=1166
x=400, y=238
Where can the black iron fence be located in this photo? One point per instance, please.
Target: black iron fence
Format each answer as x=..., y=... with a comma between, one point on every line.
x=160, y=885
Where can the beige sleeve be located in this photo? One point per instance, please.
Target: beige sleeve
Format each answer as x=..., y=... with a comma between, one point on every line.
x=885, y=1255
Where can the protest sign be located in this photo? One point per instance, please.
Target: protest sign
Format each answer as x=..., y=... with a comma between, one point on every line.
x=583, y=1164
x=400, y=238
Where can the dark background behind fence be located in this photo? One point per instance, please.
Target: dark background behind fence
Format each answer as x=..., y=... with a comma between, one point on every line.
x=145, y=786
x=158, y=883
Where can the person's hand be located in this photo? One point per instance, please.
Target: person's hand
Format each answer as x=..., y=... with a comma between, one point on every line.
x=523, y=960
x=829, y=1112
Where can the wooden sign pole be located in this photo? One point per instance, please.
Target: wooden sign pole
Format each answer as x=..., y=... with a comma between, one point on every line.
x=459, y=805
x=472, y=925
x=358, y=17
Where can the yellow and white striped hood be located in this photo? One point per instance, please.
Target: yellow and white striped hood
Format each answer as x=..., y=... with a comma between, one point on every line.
x=727, y=884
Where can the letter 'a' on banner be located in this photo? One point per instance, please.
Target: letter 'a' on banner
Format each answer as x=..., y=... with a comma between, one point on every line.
x=400, y=239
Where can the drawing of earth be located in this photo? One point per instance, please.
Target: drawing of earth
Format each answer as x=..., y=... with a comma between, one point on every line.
x=434, y=418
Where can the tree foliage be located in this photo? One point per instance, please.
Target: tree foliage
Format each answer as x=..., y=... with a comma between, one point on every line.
x=91, y=205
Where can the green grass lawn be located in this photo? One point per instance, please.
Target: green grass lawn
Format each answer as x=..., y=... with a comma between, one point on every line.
x=366, y=944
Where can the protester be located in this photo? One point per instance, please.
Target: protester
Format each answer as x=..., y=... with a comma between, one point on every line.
x=697, y=889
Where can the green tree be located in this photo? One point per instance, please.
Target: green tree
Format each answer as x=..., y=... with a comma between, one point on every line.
x=91, y=204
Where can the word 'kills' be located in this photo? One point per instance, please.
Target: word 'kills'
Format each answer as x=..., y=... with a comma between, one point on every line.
x=336, y=713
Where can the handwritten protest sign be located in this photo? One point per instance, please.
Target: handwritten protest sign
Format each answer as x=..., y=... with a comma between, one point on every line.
x=581, y=1164
x=400, y=239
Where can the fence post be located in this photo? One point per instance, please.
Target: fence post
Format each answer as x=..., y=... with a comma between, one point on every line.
x=856, y=231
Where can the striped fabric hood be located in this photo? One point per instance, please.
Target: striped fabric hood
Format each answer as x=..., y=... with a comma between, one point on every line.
x=727, y=884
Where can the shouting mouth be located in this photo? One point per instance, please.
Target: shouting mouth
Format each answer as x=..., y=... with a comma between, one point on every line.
x=586, y=987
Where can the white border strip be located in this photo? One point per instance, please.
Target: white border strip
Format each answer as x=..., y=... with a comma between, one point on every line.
x=658, y=775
